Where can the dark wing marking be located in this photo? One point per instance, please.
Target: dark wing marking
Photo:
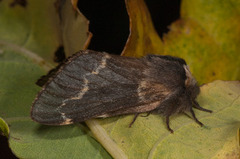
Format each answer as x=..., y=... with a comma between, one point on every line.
x=162, y=77
x=92, y=84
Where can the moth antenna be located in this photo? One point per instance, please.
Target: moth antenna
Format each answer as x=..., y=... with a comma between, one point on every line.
x=197, y=106
x=148, y=113
x=194, y=117
x=134, y=119
x=167, y=122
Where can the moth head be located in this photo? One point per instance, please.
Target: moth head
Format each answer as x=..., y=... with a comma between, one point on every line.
x=191, y=84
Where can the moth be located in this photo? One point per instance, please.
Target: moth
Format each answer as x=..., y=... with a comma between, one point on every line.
x=93, y=84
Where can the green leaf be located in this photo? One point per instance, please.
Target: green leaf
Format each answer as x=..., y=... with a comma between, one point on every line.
x=74, y=29
x=31, y=140
x=149, y=137
x=42, y=27
x=28, y=139
x=4, y=130
x=30, y=35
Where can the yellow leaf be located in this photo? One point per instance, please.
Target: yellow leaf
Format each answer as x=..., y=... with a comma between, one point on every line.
x=207, y=36
x=143, y=38
x=206, y=60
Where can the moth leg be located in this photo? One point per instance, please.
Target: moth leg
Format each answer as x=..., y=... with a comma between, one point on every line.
x=187, y=115
x=167, y=122
x=194, y=117
x=135, y=117
x=146, y=114
x=168, y=106
x=197, y=106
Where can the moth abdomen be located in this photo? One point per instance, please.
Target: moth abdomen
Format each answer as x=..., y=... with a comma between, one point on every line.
x=92, y=84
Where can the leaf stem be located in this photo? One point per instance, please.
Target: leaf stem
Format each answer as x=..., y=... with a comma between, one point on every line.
x=101, y=135
x=33, y=56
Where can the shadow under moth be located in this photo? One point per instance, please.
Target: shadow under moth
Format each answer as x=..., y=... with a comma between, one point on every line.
x=92, y=84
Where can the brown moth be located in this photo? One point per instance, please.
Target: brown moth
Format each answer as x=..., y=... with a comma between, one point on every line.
x=92, y=84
